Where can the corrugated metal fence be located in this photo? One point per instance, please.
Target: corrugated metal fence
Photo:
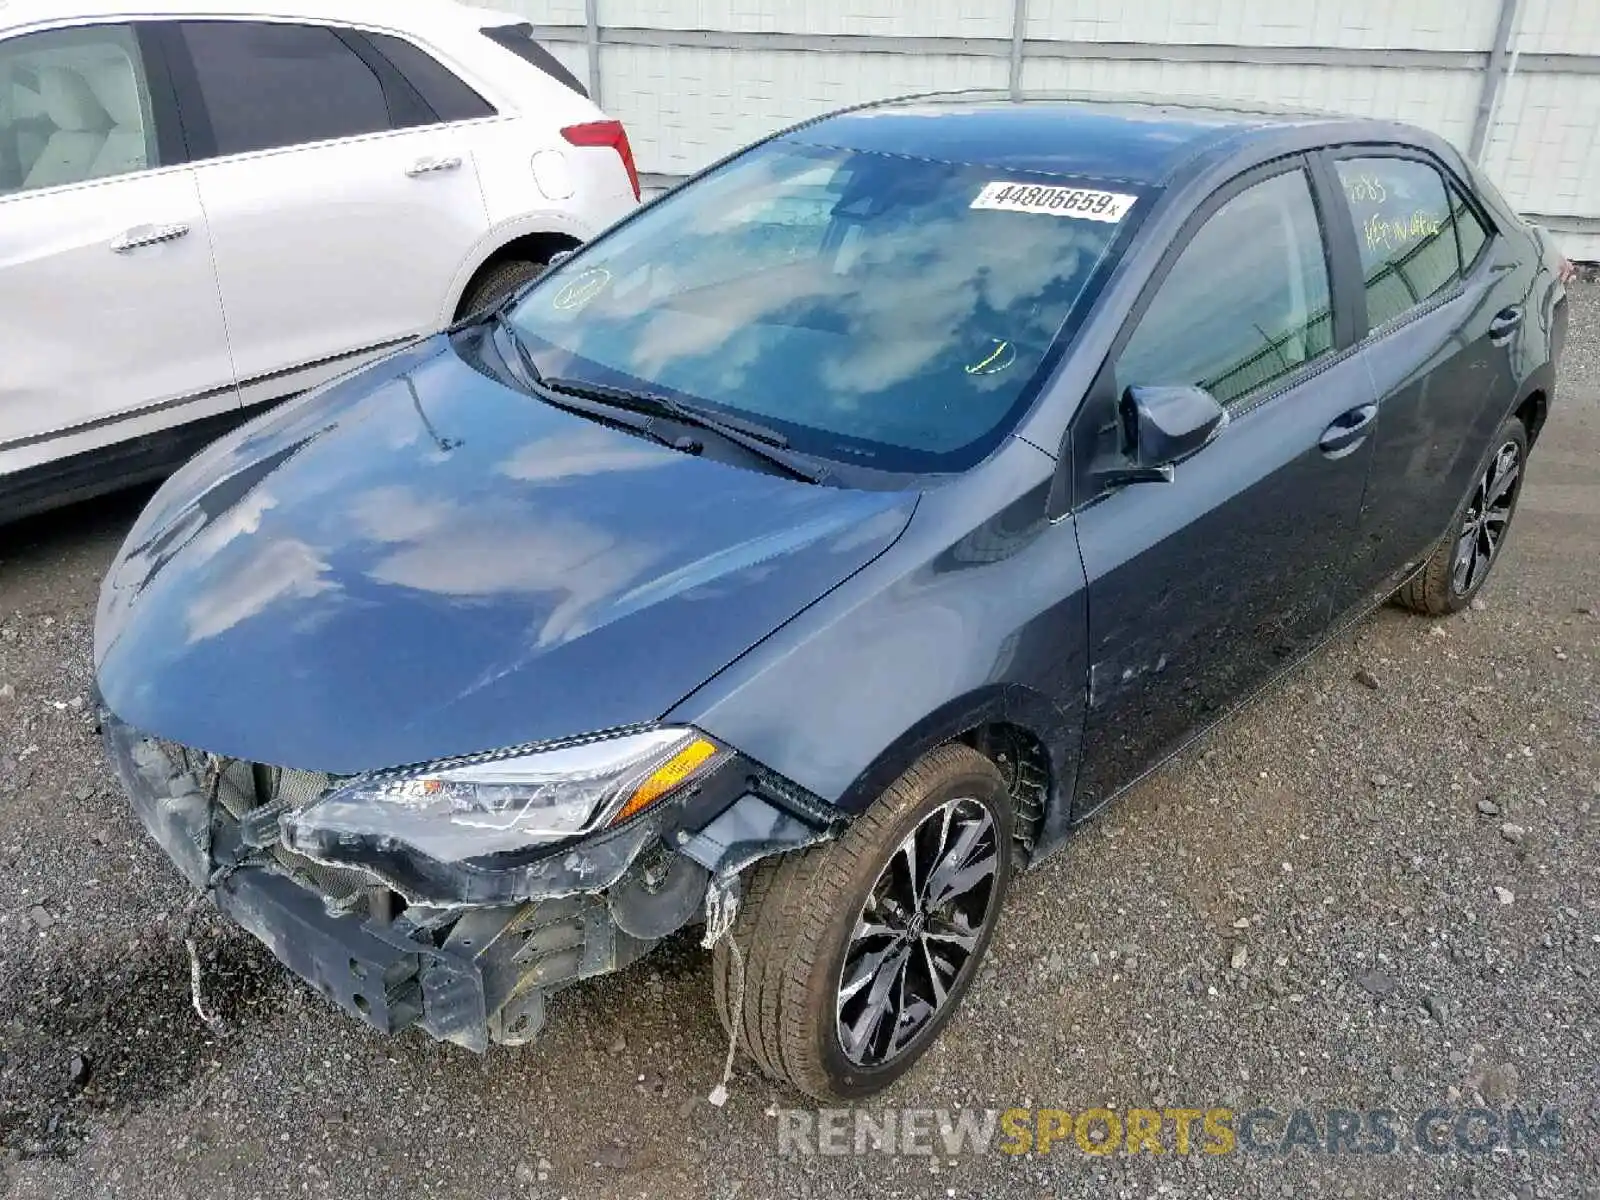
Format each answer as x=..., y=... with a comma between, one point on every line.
x=1516, y=83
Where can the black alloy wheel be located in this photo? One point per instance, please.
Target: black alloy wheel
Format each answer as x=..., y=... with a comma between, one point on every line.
x=1488, y=514
x=915, y=935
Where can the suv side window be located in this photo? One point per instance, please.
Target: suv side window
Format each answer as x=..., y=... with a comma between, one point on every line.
x=269, y=85
x=1262, y=251
x=74, y=106
x=450, y=97
x=1403, y=228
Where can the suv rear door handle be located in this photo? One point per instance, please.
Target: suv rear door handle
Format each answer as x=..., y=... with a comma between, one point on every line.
x=1506, y=322
x=147, y=235
x=1348, y=431
x=430, y=166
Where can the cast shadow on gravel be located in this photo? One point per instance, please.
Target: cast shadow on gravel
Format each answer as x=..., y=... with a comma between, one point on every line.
x=89, y=1033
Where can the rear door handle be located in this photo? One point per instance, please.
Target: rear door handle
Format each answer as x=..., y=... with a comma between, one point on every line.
x=147, y=235
x=432, y=166
x=1348, y=431
x=1506, y=322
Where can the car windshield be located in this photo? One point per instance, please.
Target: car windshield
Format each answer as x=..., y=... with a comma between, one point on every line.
x=888, y=311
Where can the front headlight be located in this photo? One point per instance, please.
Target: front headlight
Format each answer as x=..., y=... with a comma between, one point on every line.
x=468, y=809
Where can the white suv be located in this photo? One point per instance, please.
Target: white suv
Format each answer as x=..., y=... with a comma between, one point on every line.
x=207, y=207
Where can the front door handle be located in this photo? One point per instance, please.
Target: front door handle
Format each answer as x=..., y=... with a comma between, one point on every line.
x=1348, y=431
x=147, y=235
x=1506, y=322
x=432, y=166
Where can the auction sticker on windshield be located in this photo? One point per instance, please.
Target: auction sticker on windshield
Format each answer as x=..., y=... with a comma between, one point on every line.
x=1083, y=203
x=581, y=290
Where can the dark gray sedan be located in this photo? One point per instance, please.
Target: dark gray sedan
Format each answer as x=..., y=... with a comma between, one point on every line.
x=814, y=550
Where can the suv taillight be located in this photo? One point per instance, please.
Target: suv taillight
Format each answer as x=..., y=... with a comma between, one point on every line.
x=606, y=133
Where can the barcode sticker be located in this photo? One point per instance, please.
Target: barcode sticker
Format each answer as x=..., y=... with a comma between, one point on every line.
x=1082, y=203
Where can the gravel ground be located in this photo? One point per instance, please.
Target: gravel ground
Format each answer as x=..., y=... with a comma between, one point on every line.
x=1350, y=896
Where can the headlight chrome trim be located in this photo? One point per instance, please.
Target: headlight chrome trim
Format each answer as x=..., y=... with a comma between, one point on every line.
x=521, y=750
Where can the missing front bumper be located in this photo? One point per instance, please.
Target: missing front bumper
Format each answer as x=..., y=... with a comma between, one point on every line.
x=468, y=975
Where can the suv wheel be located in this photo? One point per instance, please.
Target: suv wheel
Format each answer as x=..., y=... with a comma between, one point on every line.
x=498, y=283
x=855, y=953
x=1461, y=563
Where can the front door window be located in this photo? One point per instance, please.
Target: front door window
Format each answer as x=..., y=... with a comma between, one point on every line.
x=74, y=106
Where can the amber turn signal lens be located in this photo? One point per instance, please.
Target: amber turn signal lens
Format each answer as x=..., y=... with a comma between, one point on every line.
x=666, y=777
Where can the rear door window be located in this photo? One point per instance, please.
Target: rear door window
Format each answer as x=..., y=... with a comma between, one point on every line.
x=1247, y=302
x=267, y=85
x=1471, y=234
x=1404, y=230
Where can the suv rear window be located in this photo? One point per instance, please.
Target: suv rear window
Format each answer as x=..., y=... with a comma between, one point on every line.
x=519, y=40
x=450, y=97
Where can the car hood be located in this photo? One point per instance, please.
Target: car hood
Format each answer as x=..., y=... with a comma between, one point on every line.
x=420, y=562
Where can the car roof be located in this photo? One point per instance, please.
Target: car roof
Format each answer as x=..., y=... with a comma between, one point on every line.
x=414, y=14
x=1135, y=139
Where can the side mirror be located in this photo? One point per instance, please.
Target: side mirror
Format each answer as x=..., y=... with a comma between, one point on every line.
x=1162, y=426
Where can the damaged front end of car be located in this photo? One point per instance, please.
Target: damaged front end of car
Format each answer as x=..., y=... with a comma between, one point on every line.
x=457, y=896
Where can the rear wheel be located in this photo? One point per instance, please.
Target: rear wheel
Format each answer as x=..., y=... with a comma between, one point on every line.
x=498, y=282
x=1461, y=563
x=855, y=954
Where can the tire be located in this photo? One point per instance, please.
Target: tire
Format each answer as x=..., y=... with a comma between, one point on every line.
x=497, y=283
x=1446, y=584
x=795, y=932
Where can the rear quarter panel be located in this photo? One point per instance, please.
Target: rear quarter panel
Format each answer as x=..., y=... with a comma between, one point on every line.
x=532, y=110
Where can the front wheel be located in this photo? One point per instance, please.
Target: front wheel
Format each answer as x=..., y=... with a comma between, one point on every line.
x=1461, y=563
x=854, y=954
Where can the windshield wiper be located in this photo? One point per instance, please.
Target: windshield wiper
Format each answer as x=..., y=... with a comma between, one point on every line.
x=756, y=439
x=499, y=318
x=582, y=406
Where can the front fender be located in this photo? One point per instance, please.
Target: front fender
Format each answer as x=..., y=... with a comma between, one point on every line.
x=1008, y=704
x=956, y=626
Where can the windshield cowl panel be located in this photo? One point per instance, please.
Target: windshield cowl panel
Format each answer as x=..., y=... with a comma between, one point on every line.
x=880, y=312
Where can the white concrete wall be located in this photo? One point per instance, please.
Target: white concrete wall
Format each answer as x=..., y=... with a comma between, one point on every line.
x=1443, y=101
x=886, y=18
x=1544, y=148
x=1372, y=24
x=692, y=106
x=686, y=105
